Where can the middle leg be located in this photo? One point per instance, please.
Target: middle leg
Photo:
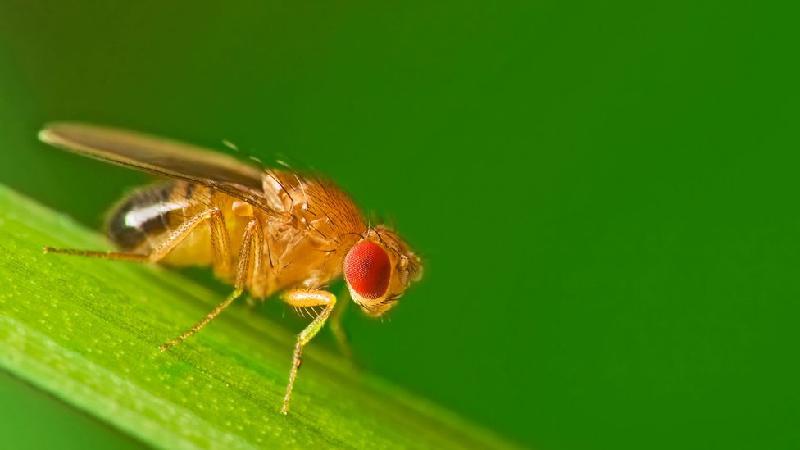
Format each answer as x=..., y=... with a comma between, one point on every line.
x=305, y=298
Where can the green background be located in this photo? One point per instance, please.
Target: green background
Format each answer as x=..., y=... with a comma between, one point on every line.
x=605, y=194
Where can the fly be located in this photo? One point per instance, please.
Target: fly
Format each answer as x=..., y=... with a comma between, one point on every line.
x=264, y=230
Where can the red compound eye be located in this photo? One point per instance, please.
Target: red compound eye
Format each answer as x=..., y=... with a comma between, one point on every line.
x=367, y=269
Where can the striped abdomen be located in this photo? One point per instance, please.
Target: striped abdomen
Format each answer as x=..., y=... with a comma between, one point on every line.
x=148, y=217
x=144, y=214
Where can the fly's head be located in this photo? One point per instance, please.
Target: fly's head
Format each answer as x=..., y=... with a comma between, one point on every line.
x=378, y=269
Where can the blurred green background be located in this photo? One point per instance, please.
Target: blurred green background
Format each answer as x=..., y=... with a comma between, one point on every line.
x=605, y=194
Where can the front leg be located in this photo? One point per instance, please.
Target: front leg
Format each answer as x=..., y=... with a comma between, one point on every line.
x=305, y=298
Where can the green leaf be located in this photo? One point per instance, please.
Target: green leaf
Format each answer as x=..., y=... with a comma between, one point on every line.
x=88, y=331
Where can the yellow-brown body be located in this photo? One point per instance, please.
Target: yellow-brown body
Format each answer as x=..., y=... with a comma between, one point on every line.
x=307, y=232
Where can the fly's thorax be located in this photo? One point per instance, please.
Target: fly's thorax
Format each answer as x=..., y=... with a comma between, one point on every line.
x=314, y=204
x=315, y=225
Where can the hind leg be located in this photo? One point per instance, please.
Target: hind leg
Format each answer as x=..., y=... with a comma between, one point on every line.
x=219, y=241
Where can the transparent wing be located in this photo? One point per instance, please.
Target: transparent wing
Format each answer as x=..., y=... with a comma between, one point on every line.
x=161, y=157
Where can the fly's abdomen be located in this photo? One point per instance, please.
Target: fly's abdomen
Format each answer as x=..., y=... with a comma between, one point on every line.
x=144, y=216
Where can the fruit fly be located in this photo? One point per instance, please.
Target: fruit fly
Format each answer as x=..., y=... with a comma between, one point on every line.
x=263, y=230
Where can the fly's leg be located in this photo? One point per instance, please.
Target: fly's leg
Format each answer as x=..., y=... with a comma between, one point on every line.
x=117, y=256
x=339, y=335
x=252, y=242
x=305, y=298
x=219, y=241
